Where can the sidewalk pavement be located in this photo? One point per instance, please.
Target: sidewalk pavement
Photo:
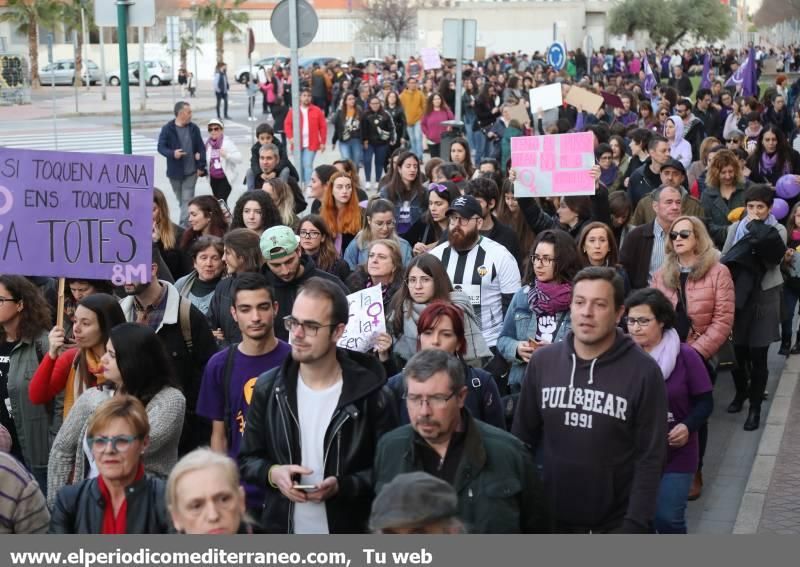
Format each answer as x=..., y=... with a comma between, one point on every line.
x=90, y=103
x=771, y=502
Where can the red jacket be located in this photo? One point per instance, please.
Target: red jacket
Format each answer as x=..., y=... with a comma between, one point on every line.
x=317, y=127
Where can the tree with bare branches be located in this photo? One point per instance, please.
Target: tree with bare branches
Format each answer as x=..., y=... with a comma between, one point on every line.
x=383, y=19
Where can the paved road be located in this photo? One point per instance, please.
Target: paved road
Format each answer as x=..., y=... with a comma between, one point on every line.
x=731, y=450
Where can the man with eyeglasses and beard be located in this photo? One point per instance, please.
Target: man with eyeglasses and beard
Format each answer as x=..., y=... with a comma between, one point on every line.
x=314, y=423
x=480, y=267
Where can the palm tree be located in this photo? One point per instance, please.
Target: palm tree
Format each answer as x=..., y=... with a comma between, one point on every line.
x=223, y=19
x=70, y=13
x=29, y=15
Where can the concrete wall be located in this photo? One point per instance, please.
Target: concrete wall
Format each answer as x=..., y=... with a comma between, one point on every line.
x=520, y=26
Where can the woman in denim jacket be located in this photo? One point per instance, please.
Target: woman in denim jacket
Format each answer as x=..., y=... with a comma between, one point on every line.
x=539, y=312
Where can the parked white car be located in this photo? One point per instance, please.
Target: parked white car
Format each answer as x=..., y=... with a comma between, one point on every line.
x=243, y=74
x=158, y=73
x=62, y=72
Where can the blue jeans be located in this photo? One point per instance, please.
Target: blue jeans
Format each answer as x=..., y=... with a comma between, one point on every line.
x=470, y=133
x=789, y=305
x=480, y=146
x=415, y=139
x=351, y=149
x=307, y=159
x=673, y=494
x=378, y=153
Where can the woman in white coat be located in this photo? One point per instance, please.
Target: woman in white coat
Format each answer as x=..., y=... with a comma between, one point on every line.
x=223, y=159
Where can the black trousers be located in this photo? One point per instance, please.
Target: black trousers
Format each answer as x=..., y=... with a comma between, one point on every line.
x=220, y=98
x=750, y=378
x=220, y=187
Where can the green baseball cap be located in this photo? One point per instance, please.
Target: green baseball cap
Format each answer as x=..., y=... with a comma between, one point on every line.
x=278, y=242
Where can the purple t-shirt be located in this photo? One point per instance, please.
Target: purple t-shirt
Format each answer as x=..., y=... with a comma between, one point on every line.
x=211, y=401
x=689, y=379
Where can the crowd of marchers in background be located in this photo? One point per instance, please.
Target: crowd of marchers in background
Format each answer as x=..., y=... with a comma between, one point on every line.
x=547, y=366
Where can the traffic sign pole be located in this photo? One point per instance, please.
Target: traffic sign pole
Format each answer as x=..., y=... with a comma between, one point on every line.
x=295, y=69
x=125, y=95
x=459, y=70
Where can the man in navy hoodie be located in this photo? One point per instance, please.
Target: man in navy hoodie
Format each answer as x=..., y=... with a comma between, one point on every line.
x=596, y=405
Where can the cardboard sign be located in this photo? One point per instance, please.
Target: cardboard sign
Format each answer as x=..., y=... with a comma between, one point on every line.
x=367, y=320
x=519, y=112
x=585, y=99
x=76, y=215
x=480, y=53
x=556, y=165
x=430, y=58
x=546, y=97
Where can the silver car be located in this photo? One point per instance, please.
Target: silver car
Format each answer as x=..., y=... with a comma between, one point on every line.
x=158, y=73
x=62, y=72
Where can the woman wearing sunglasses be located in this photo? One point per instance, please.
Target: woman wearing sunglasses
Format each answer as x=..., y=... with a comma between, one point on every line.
x=147, y=379
x=539, y=312
x=701, y=291
x=223, y=159
x=758, y=313
x=122, y=498
x=651, y=321
x=425, y=234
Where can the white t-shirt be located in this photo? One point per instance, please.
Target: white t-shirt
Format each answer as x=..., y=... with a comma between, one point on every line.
x=315, y=409
x=484, y=273
x=304, y=127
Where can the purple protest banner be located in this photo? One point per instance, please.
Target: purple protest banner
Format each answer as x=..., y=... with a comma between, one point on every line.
x=76, y=215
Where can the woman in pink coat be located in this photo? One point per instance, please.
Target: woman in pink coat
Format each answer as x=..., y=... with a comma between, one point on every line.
x=436, y=112
x=701, y=289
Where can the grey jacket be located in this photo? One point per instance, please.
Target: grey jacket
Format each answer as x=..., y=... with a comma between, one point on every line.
x=35, y=424
x=164, y=412
x=773, y=277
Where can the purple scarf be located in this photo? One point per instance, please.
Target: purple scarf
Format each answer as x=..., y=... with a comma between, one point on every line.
x=549, y=297
x=214, y=159
x=768, y=164
x=608, y=176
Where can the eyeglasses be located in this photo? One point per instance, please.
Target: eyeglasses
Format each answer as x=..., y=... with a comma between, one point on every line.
x=605, y=158
x=543, y=260
x=437, y=401
x=310, y=328
x=461, y=221
x=309, y=234
x=683, y=234
x=214, y=129
x=9, y=299
x=384, y=224
x=438, y=187
x=118, y=443
x=643, y=322
x=422, y=280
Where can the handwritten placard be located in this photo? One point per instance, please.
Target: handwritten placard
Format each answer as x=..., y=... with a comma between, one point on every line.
x=556, y=165
x=76, y=215
x=366, y=322
x=430, y=58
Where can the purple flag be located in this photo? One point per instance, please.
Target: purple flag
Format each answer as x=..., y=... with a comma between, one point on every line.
x=649, y=78
x=705, y=82
x=745, y=75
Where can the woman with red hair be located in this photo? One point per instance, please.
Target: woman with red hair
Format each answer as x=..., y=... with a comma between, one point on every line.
x=441, y=326
x=341, y=211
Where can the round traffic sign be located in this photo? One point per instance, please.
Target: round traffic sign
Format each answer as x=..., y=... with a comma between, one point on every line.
x=307, y=23
x=557, y=56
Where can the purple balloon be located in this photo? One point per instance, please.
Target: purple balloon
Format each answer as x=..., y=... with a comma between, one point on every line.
x=780, y=209
x=788, y=187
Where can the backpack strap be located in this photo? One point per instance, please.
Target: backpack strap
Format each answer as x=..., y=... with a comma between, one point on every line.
x=184, y=311
x=226, y=385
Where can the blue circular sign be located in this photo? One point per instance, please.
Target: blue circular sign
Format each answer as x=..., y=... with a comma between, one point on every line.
x=557, y=56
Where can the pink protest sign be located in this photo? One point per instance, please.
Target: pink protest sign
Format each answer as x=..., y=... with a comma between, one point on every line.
x=553, y=165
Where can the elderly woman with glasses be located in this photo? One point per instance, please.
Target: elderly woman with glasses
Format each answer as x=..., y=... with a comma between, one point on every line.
x=539, y=312
x=380, y=225
x=651, y=324
x=122, y=499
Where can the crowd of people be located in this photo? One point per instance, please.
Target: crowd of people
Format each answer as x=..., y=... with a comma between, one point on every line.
x=531, y=343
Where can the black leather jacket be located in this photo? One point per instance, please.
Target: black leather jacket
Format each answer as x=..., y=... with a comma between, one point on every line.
x=365, y=412
x=80, y=507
